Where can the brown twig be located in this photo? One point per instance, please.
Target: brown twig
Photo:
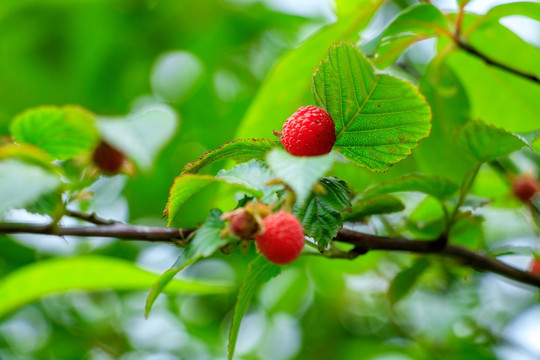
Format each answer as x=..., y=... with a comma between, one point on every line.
x=362, y=243
x=471, y=50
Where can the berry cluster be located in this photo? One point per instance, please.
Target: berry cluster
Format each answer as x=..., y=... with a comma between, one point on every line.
x=279, y=236
x=310, y=131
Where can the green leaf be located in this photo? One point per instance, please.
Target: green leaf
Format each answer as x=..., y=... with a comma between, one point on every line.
x=468, y=231
x=376, y=205
x=141, y=135
x=300, y=173
x=286, y=87
x=321, y=214
x=64, y=132
x=511, y=50
x=451, y=110
x=378, y=118
x=412, y=25
x=497, y=96
x=484, y=143
x=252, y=175
x=435, y=186
x=185, y=186
x=239, y=150
x=259, y=271
x=21, y=184
x=528, y=9
x=203, y=244
x=90, y=273
x=405, y=280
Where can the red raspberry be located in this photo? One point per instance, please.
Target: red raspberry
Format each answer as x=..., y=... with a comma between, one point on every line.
x=283, y=238
x=310, y=131
x=534, y=268
x=525, y=187
x=108, y=158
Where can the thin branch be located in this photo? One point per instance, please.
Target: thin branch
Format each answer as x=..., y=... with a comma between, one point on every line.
x=91, y=218
x=470, y=258
x=471, y=50
x=362, y=244
x=117, y=230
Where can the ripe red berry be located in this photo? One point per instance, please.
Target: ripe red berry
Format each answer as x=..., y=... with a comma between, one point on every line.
x=283, y=238
x=108, y=158
x=310, y=131
x=525, y=187
x=534, y=268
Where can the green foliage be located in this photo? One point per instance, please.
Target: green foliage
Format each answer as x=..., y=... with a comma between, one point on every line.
x=204, y=243
x=252, y=175
x=404, y=281
x=63, y=132
x=188, y=185
x=239, y=150
x=259, y=271
x=378, y=118
x=22, y=184
x=435, y=186
x=48, y=277
x=243, y=69
x=486, y=143
x=287, y=86
x=140, y=135
x=374, y=205
x=412, y=25
x=321, y=214
x=300, y=173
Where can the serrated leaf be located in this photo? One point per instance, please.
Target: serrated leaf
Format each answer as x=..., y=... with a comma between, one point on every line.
x=259, y=271
x=378, y=118
x=63, y=132
x=238, y=150
x=405, y=280
x=21, y=184
x=435, y=186
x=204, y=243
x=252, y=175
x=376, y=205
x=300, y=173
x=321, y=214
x=141, y=135
x=484, y=143
x=185, y=186
x=90, y=273
x=412, y=25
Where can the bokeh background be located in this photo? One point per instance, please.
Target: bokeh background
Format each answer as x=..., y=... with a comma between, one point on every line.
x=206, y=60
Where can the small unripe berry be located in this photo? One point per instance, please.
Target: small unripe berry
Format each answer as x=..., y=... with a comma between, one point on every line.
x=283, y=238
x=108, y=159
x=310, y=131
x=243, y=225
x=524, y=187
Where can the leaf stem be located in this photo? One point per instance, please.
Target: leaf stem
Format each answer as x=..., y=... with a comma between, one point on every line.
x=465, y=187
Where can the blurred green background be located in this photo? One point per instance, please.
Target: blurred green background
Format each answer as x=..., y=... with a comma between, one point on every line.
x=207, y=60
